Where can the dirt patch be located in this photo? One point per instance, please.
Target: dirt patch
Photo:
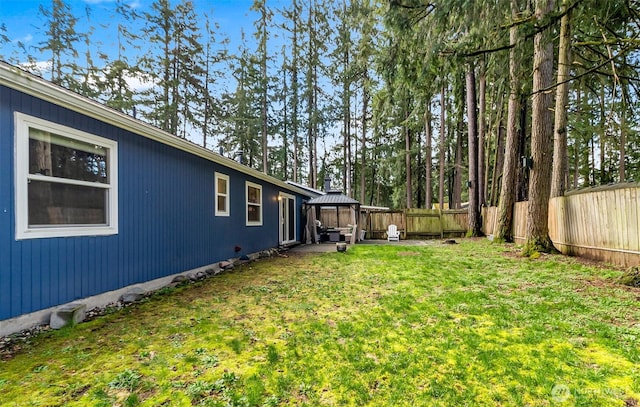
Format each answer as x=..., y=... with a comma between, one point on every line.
x=408, y=254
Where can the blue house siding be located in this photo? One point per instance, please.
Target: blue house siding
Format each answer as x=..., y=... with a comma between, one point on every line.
x=8, y=282
x=167, y=222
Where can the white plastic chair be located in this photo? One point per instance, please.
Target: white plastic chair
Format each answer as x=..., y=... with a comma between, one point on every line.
x=393, y=234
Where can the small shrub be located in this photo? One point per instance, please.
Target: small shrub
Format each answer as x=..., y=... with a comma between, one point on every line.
x=129, y=380
x=631, y=277
x=271, y=401
x=198, y=390
x=229, y=378
x=40, y=368
x=236, y=345
x=132, y=401
x=164, y=291
x=272, y=354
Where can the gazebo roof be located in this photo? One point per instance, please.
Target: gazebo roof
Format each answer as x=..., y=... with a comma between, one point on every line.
x=312, y=191
x=333, y=198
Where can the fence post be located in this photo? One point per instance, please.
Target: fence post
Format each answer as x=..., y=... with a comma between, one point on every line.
x=404, y=223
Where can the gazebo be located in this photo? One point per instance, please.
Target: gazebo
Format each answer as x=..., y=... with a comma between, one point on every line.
x=333, y=233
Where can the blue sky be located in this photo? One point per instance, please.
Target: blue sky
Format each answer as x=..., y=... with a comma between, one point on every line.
x=24, y=22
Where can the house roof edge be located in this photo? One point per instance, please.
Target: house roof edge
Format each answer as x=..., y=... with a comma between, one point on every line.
x=18, y=79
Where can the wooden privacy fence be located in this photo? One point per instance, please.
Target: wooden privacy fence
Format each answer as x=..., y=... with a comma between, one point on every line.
x=518, y=228
x=416, y=223
x=337, y=217
x=601, y=223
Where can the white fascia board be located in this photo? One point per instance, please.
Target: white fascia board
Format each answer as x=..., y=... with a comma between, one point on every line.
x=20, y=80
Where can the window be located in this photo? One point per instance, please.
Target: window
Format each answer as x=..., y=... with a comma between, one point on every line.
x=222, y=194
x=254, y=204
x=66, y=181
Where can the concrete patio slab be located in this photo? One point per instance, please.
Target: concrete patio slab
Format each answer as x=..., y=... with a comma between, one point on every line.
x=331, y=247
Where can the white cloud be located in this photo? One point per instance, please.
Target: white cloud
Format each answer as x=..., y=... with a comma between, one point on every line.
x=25, y=40
x=138, y=84
x=39, y=68
x=98, y=1
x=132, y=4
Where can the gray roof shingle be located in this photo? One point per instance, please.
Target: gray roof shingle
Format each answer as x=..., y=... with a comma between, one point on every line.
x=333, y=198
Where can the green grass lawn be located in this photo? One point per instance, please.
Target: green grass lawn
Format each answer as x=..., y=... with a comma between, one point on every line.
x=444, y=325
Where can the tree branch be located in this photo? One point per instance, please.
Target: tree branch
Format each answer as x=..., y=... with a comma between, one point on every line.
x=585, y=73
x=399, y=3
x=538, y=29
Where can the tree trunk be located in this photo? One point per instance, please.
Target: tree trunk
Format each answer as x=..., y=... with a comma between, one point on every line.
x=592, y=163
x=537, y=234
x=428, y=194
x=346, y=144
x=441, y=153
x=285, y=125
x=456, y=189
x=472, y=132
x=559, y=174
x=482, y=127
x=363, y=148
x=498, y=163
x=524, y=147
x=509, y=177
x=294, y=91
x=603, y=138
x=577, y=143
x=346, y=124
x=264, y=82
x=623, y=141
x=407, y=159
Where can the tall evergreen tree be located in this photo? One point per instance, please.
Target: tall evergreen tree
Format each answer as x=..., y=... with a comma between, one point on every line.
x=537, y=234
x=442, y=146
x=61, y=41
x=344, y=73
x=472, y=133
x=559, y=172
x=364, y=17
x=243, y=115
x=159, y=63
x=292, y=25
x=209, y=101
x=115, y=90
x=511, y=156
x=317, y=30
x=174, y=63
x=262, y=26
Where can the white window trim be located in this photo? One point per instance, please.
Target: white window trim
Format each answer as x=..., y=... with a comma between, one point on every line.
x=246, y=198
x=22, y=124
x=225, y=177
